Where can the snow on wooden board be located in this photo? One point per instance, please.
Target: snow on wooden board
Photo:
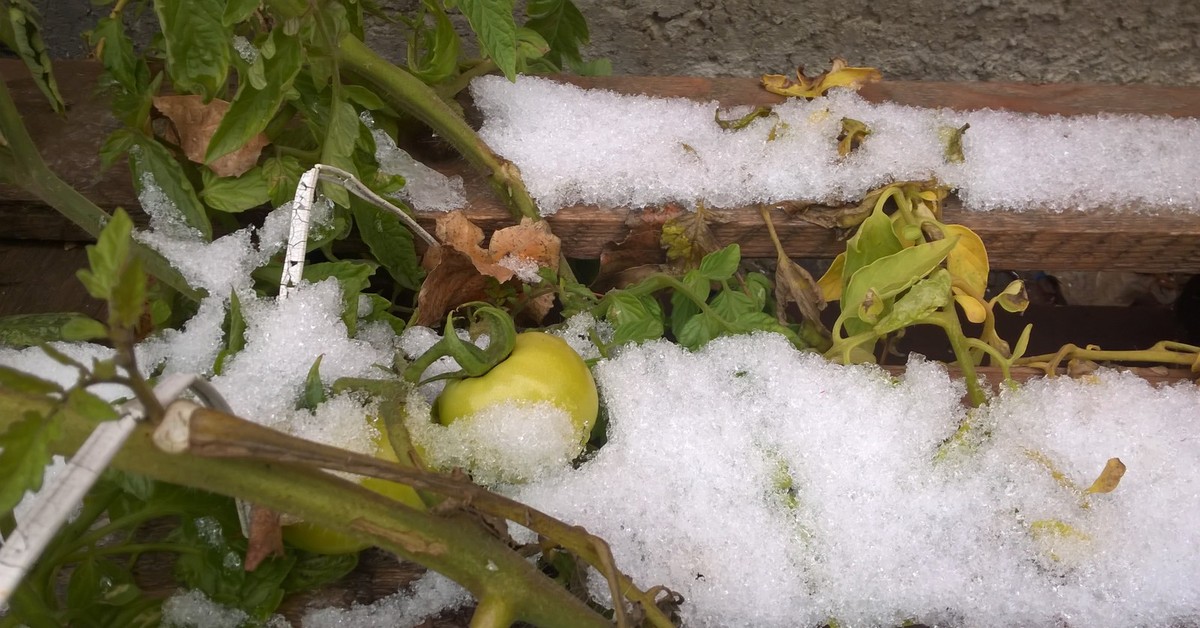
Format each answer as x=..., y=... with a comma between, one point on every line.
x=598, y=147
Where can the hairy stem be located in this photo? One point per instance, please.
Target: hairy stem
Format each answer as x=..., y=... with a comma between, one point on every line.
x=407, y=93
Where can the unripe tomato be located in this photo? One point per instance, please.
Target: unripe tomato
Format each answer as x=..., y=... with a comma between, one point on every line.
x=320, y=540
x=541, y=368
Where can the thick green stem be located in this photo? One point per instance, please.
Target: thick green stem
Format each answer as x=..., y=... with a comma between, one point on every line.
x=406, y=92
x=27, y=169
x=451, y=544
x=492, y=612
x=948, y=321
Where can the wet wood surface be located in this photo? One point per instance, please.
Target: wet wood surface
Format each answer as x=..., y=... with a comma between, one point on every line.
x=1144, y=242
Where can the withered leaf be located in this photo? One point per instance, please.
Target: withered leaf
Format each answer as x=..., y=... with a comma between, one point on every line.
x=266, y=536
x=736, y=124
x=687, y=238
x=195, y=122
x=839, y=75
x=952, y=137
x=452, y=281
x=794, y=284
x=851, y=136
x=639, y=253
x=1109, y=478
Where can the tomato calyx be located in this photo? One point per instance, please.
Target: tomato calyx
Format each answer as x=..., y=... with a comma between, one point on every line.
x=474, y=362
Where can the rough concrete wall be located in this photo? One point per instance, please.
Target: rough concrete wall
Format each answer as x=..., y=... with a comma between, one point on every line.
x=1110, y=41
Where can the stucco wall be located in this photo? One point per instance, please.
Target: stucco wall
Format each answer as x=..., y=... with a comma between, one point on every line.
x=1150, y=41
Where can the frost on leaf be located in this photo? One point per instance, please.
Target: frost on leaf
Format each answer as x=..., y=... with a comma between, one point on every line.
x=839, y=75
x=460, y=267
x=195, y=122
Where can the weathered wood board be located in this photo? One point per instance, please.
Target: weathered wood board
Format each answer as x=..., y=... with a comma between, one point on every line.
x=1167, y=242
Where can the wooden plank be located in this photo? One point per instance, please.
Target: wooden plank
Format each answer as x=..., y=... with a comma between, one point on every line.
x=1167, y=242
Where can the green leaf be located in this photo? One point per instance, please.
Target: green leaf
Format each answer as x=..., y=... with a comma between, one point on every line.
x=25, y=454
x=684, y=302
x=108, y=257
x=364, y=97
x=492, y=21
x=128, y=300
x=379, y=312
x=26, y=330
x=732, y=304
x=721, y=265
x=90, y=406
x=433, y=52
x=282, y=175
x=99, y=581
x=634, y=318
x=197, y=44
x=314, y=390
x=151, y=163
x=338, y=147
x=238, y=11
x=562, y=25
x=24, y=383
x=20, y=31
x=390, y=242
x=235, y=194
x=117, y=56
x=216, y=568
x=888, y=276
x=531, y=48
x=698, y=330
x=115, y=145
x=920, y=301
x=313, y=571
x=874, y=239
x=235, y=333
x=253, y=108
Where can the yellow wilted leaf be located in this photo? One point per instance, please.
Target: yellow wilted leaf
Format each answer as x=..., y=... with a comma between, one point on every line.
x=1014, y=298
x=1053, y=527
x=1109, y=478
x=1058, y=476
x=839, y=75
x=975, y=310
x=852, y=136
x=831, y=282
x=968, y=261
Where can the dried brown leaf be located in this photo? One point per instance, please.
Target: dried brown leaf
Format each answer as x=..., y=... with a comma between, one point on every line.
x=688, y=237
x=1109, y=478
x=639, y=249
x=266, y=537
x=195, y=121
x=452, y=281
x=839, y=75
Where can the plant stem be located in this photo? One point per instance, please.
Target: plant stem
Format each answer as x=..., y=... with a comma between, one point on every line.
x=407, y=93
x=948, y=321
x=27, y=169
x=492, y=612
x=460, y=82
x=452, y=543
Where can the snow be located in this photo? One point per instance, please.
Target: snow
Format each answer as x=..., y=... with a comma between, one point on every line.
x=424, y=188
x=576, y=146
x=426, y=598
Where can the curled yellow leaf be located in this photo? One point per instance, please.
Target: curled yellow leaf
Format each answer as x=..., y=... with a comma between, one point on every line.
x=973, y=308
x=968, y=261
x=839, y=75
x=831, y=282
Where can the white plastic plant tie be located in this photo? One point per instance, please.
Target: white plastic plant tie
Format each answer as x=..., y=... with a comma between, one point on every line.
x=60, y=495
x=306, y=194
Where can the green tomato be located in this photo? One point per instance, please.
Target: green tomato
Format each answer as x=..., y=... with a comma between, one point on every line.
x=541, y=368
x=321, y=540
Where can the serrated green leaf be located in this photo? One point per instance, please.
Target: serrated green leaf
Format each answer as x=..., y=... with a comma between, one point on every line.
x=338, y=148
x=698, y=331
x=563, y=27
x=150, y=162
x=234, y=327
x=27, y=330
x=115, y=145
x=197, y=44
x=684, y=303
x=238, y=11
x=721, y=265
x=216, y=568
x=20, y=30
x=390, y=242
x=117, y=54
x=99, y=581
x=364, y=97
x=531, y=47
x=379, y=312
x=235, y=194
x=314, y=390
x=282, y=175
x=732, y=304
x=24, y=454
x=634, y=319
x=312, y=571
x=128, y=300
x=253, y=108
x=492, y=21
x=433, y=52
x=108, y=257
